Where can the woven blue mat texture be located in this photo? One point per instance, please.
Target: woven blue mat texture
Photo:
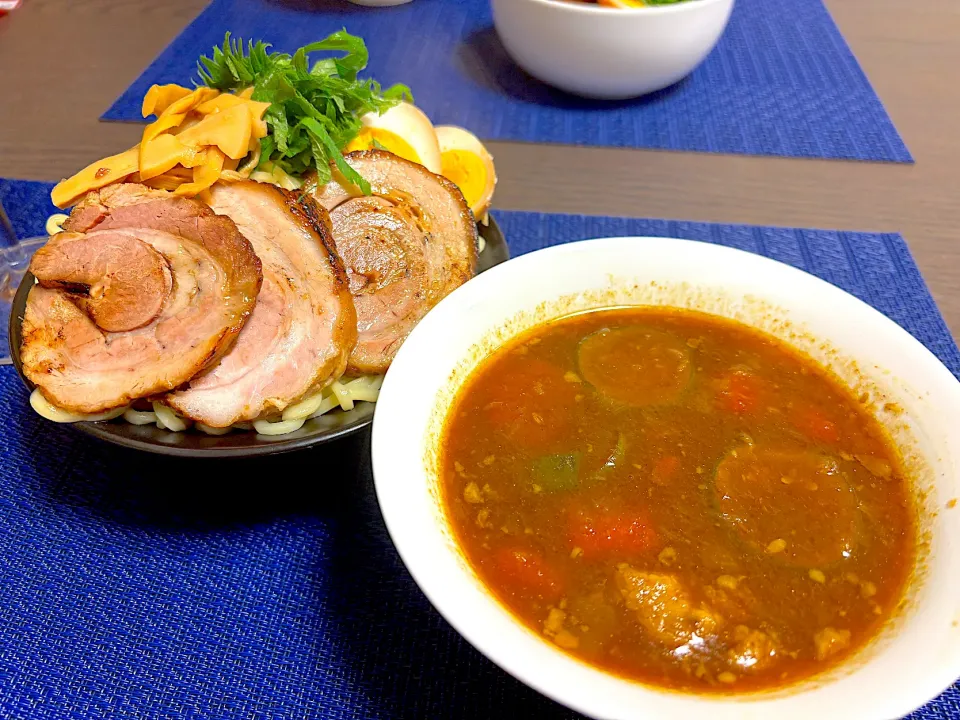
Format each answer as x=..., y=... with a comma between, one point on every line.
x=782, y=81
x=134, y=586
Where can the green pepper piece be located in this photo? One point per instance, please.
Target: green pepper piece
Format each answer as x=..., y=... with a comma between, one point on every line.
x=555, y=473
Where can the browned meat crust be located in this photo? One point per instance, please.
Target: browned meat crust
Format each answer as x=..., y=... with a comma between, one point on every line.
x=215, y=278
x=405, y=248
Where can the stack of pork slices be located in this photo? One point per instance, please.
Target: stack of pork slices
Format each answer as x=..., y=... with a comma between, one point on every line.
x=230, y=310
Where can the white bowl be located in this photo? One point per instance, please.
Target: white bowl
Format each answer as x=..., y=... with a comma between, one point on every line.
x=379, y=3
x=609, y=53
x=913, y=659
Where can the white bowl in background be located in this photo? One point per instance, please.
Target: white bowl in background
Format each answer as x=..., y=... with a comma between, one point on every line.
x=379, y=3
x=609, y=53
x=916, y=655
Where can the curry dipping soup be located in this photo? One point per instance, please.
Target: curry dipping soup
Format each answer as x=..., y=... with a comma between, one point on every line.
x=677, y=499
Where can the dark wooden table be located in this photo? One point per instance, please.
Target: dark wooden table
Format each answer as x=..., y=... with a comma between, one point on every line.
x=62, y=62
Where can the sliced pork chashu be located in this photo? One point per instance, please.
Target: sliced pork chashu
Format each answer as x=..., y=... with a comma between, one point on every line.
x=141, y=292
x=405, y=247
x=303, y=326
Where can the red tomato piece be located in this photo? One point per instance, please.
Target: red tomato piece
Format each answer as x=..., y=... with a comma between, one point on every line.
x=525, y=570
x=532, y=404
x=609, y=533
x=666, y=469
x=739, y=392
x=813, y=423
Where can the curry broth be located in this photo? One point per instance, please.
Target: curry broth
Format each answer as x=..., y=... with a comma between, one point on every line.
x=677, y=499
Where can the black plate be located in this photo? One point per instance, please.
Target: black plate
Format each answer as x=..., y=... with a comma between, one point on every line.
x=237, y=443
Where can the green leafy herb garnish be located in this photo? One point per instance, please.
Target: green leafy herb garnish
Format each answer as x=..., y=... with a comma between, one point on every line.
x=314, y=110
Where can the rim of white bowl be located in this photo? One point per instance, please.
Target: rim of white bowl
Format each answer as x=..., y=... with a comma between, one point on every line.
x=899, y=701
x=596, y=9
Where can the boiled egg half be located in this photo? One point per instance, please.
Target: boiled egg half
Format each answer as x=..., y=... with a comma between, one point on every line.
x=403, y=130
x=468, y=164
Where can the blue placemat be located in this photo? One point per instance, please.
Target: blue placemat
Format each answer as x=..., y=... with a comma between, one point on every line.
x=782, y=81
x=28, y=205
x=134, y=586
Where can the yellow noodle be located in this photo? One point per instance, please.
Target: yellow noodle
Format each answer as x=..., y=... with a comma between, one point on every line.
x=211, y=430
x=167, y=419
x=264, y=427
x=329, y=403
x=342, y=394
x=51, y=412
x=55, y=223
x=306, y=407
x=137, y=417
x=274, y=175
x=365, y=389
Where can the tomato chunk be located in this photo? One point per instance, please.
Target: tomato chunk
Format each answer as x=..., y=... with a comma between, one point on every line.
x=666, y=469
x=524, y=569
x=532, y=404
x=611, y=533
x=816, y=425
x=739, y=392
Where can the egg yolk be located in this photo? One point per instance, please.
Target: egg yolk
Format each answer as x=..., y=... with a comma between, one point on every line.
x=466, y=170
x=377, y=137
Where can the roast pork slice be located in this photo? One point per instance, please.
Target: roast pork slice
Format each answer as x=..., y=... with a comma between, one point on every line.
x=154, y=290
x=405, y=247
x=119, y=281
x=304, y=326
x=94, y=207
